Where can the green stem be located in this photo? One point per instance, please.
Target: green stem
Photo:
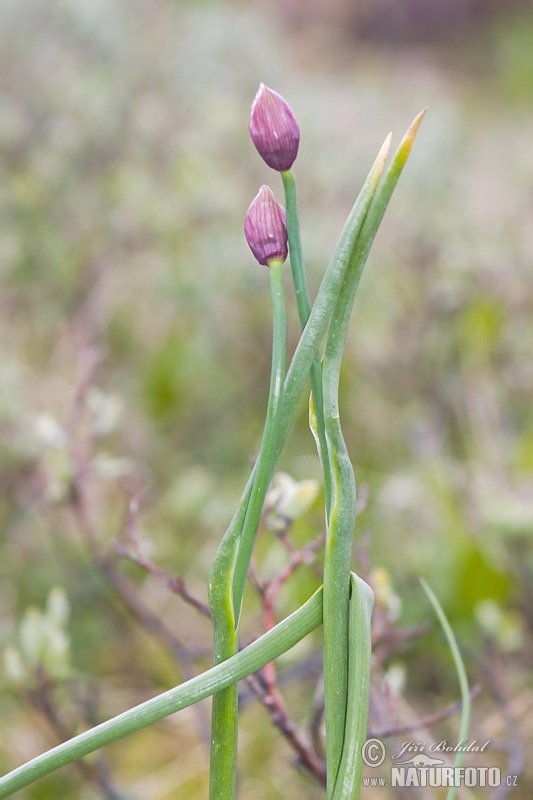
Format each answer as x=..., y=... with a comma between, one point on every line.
x=303, y=303
x=268, y=453
x=224, y=722
x=231, y=564
x=224, y=711
x=261, y=652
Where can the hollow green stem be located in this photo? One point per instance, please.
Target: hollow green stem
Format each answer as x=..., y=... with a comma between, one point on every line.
x=303, y=303
x=231, y=564
x=224, y=722
x=224, y=711
x=269, y=451
x=265, y=649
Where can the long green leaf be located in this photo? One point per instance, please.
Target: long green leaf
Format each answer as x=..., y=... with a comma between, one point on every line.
x=461, y=674
x=265, y=649
x=348, y=785
x=343, y=502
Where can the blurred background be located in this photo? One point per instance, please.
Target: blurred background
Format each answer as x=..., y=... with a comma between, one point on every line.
x=135, y=338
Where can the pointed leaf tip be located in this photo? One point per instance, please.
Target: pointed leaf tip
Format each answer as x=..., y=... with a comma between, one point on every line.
x=415, y=124
x=383, y=153
x=407, y=142
x=379, y=162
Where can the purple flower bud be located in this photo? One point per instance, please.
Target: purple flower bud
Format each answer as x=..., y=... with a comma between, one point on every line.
x=274, y=129
x=265, y=228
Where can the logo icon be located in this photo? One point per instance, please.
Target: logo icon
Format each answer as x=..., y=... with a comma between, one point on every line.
x=422, y=761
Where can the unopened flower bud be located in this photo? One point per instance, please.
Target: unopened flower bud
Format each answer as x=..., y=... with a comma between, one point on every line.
x=274, y=129
x=265, y=227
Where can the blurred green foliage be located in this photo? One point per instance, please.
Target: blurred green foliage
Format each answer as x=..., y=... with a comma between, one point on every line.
x=126, y=172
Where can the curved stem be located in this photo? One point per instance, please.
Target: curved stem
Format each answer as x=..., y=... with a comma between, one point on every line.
x=224, y=710
x=265, y=649
x=338, y=548
x=304, y=309
x=269, y=450
x=229, y=572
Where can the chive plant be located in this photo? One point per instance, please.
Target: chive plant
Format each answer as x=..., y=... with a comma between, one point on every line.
x=344, y=603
